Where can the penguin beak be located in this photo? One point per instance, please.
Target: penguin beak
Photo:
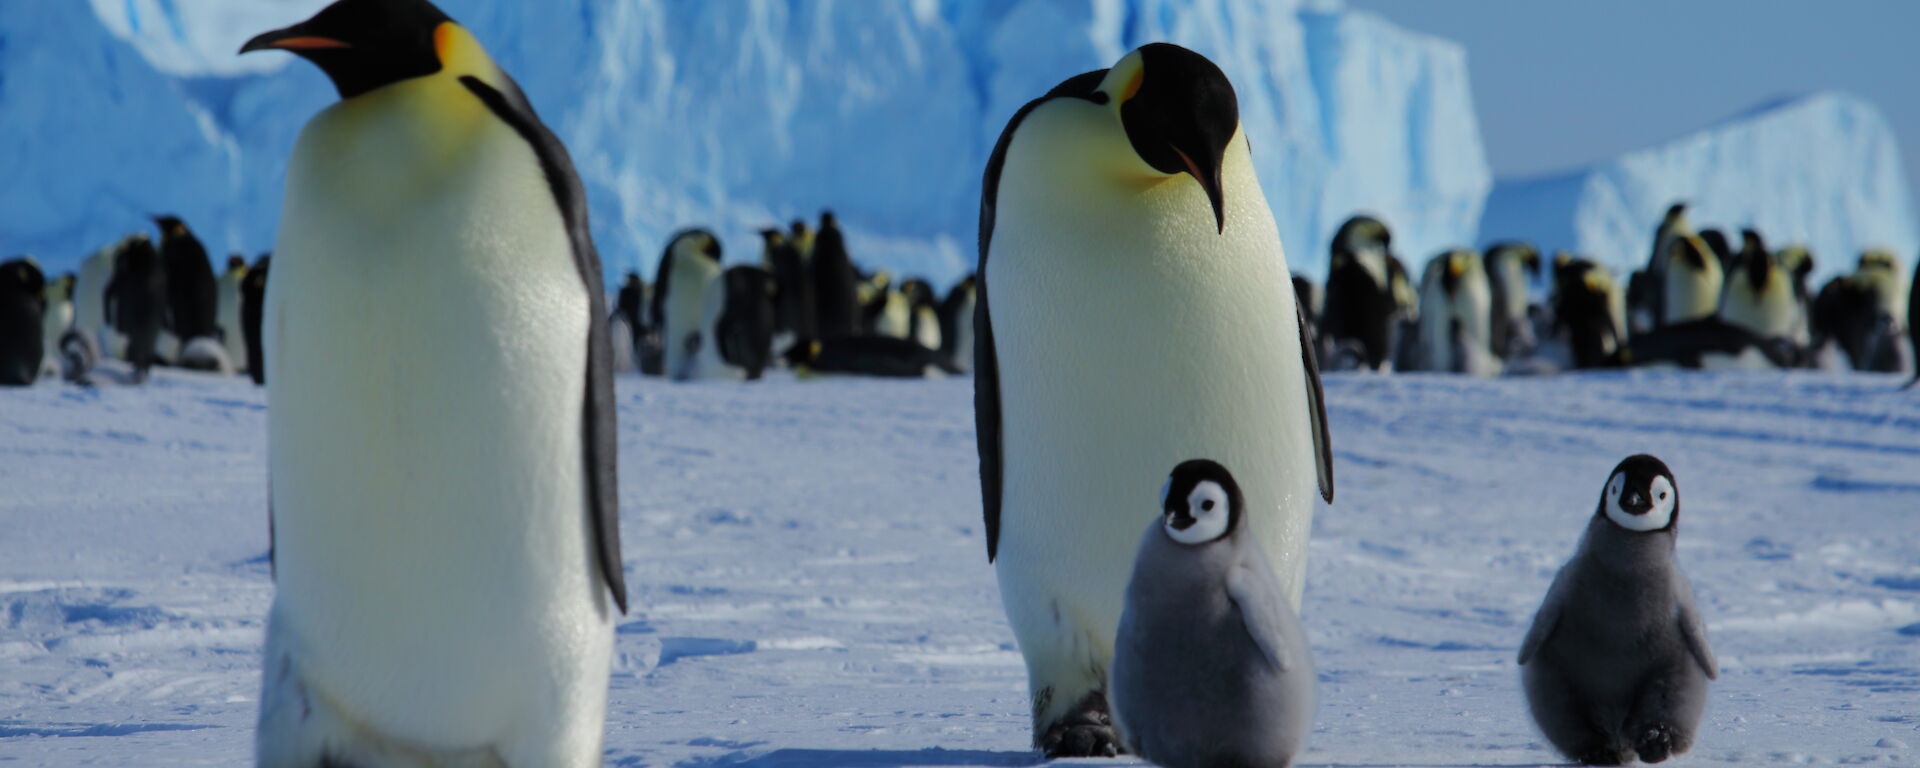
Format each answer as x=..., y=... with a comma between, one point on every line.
x=292, y=38
x=1210, y=182
x=1180, y=115
x=1635, y=502
x=1179, y=519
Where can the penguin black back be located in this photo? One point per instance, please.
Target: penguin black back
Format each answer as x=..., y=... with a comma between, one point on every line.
x=22, y=305
x=137, y=301
x=795, y=312
x=835, y=282
x=745, y=328
x=1581, y=297
x=192, y=294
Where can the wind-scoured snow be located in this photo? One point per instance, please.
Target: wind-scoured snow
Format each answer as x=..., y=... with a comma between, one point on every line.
x=810, y=586
x=1822, y=170
x=734, y=115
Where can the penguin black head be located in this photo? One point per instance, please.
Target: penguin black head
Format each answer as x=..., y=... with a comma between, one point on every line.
x=1179, y=112
x=827, y=221
x=171, y=226
x=1200, y=502
x=1676, y=210
x=1641, y=496
x=1362, y=233
x=364, y=44
x=236, y=261
x=772, y=237
x=702, y=241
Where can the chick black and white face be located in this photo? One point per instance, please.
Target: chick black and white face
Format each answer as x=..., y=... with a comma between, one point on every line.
x=1640, y=496
x=1199, y=503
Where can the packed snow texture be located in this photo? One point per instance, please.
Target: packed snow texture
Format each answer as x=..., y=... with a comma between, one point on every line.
x=810, y=586
x=1821, y=170
x=732, y=115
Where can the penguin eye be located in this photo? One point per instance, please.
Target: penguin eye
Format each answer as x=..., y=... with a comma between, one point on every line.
x=1207, y=505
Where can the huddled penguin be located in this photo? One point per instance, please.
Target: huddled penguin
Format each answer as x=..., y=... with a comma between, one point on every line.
x=1718, y=245
x=1647, y=290
x=956, y=323
x=1368, y=297
x=253, y=299
x=444, y=513
x=1511, y=269
x=794, y=315
x=867, y=356
x=687, y=272
x=1134, y=181
x=1210, y=666
x=1588, y=312
x=740, y=321
x=1616, y=663
x=883, y=309
x=1456, y=312
x=192, y=295
x=1691, y=281
x=231, y=335
x=923, y=312
x=835, y=281
x=56, y=319
x=1861, y=312
x=1713, y=344
x=23, y=305
x=1760, y=295
x=136, y=303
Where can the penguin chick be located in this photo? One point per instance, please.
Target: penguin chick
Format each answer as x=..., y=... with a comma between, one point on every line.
x=1617, y=663
x=1211, y=666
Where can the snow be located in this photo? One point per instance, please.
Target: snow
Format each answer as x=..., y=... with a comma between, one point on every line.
x=734, y=115
x=810, y=586
x=1823, y=170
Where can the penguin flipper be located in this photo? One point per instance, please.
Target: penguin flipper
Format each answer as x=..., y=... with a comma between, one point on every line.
x=598, y=428
x=1255, y=592
x=1316, y=408
x=986, y=417
x=1547, y=619
x=1692, y=628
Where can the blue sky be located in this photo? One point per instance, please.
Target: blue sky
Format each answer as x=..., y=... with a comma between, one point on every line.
x=1561, y=84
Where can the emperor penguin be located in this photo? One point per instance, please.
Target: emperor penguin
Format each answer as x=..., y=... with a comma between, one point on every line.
x=1211, y=666
x=444, y=513
x=231, y=335
x=23, y=304
x=1588, y=312
x=192, y=295
x=736, y=326
x=1368, y=296
x=136, y=304
x=923, y=312
x=1690, y=281
x=56, y=319
x=956, y=323
x=1616, y=663
x=1760, y=295
x=1456, y=314
x=1512, y=267
x=1648, y=294
x=867, y=356
x=884, y=309
x=253, y=296
x=835, y=282
x=794, y=314
x=801, y=236
x=682, y=285
x=1134, y=182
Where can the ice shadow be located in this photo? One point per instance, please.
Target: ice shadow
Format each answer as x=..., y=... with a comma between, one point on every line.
x=12, y=728
x=867, y=758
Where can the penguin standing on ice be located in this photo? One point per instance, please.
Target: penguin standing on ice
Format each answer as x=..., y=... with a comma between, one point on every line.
x=1134, y=181
x=682, y=285
x=1760, y=295
x=231, y=335
x=253, y=300
x=1211, y=666
x=923, y=318
x=956, y=323
x=1588, y=312
x=136, y=303
x=1368, y=297
x=1616, y=663
x=1690, y=280
x=835, y=282
x=737, y=325
x=1511, y=268
x=794, y=313
x=445, y=531
x=192, y=297
x=23, y=305
x=1456, y=312
x=1646, y=290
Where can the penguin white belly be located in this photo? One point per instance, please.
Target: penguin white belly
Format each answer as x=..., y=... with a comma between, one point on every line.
x=1691, y=294
x=1127, y=344
x=926, y=327
x=691, y=284
x=895, y=318
x=963, y=336
x=233, y=335
x=707, y=362
x=426, y=333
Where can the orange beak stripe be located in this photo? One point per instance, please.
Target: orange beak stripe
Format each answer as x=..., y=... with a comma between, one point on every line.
x=308, y=43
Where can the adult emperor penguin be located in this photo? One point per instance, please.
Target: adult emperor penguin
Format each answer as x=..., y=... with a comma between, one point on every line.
x=253, y=299
x=192, y=295
x=445, y=529
x=1456, y=312
x=1651, y=297
x=1759, y=294
x=836, y=284
x=1690, y=281
x=231, y=335
x=923, y=308
x=793, y=306
x=1589, y=312
x=736, y=327
x=1616, y=663
x=1368, y=296
x=1512, y=267
x=136, y=303
x=1132, y=314
x=1211, y=666
x=956, y=322
x=687, y=271
x=23, y=304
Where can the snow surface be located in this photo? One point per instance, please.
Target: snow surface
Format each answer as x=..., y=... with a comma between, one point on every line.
x=733, y=115
x=810, y=586
x=1823, y=170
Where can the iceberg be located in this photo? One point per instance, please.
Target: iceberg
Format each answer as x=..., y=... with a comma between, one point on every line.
x=1822, y=170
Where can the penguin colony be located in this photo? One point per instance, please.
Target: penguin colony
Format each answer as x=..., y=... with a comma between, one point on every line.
x=446, y=590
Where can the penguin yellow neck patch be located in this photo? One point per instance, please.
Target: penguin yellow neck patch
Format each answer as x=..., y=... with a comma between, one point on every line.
x=460, y=53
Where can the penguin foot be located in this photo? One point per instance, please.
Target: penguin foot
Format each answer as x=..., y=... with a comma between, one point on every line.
x=1086, y=731
x=1655, y=744
x=1600, y=756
